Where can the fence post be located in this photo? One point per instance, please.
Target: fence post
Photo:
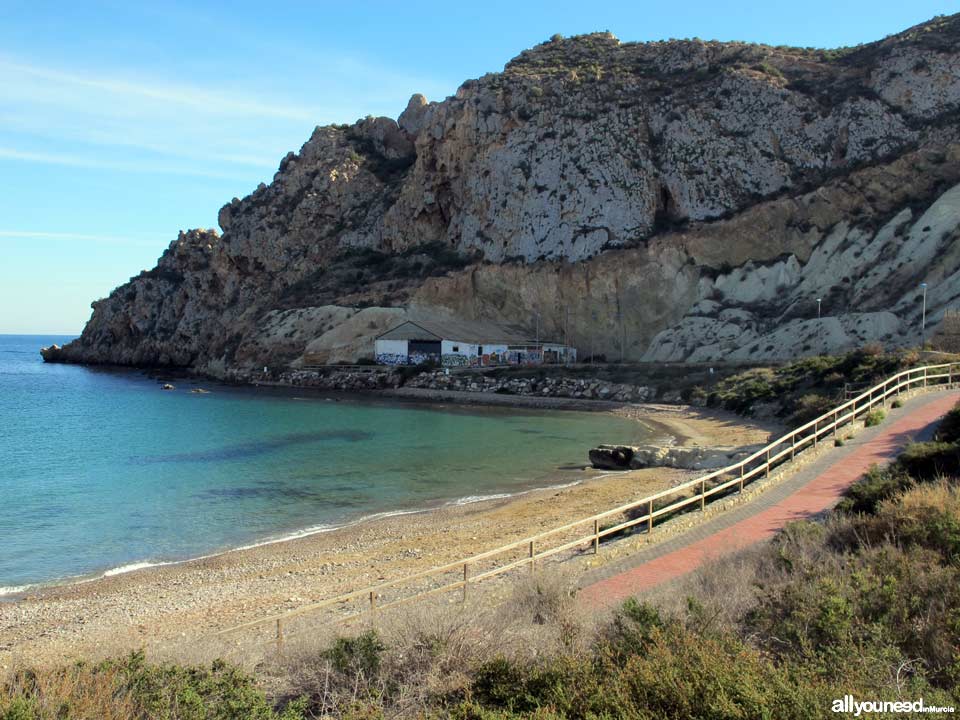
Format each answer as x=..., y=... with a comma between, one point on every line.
x=815, y=433
x=767, y=470
x=949, y=374
x=853, y=414
x=836, y=415
x=741, y=478
x=924, y=377
x=793, y=445
x=703, y=496
x=279, y=636
x=650, y=517
x=596, y=537
x=531, y=557
x=466, y=579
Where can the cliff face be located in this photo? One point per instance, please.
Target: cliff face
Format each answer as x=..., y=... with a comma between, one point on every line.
x=675, y=200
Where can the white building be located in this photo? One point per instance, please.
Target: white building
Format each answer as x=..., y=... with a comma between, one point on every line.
x=465, y=343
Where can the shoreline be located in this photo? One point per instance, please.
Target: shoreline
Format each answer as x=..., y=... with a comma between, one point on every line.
x=663, y=431
x=15, y=593
x=169, y=607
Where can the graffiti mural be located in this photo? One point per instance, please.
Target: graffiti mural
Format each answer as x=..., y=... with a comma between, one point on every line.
x=391, y=359
x=454, y=360
x=419, y=358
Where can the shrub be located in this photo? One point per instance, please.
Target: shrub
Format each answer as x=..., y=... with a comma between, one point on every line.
x=898, y=403
x=877, y=484
x=925, y=516
x=839, y=442
x=360, y=655
x=808, y=407
x=930, y=460
x=874, y=417
x=132, y=689
x=949, y=428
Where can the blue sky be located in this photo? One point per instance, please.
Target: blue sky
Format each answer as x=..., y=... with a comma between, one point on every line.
x=123, y=122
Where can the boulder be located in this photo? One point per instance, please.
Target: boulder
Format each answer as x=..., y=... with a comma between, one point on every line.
x=612, y=457
x=637, y=457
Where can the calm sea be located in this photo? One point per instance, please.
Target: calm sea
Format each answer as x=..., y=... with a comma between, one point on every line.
x=101, y=471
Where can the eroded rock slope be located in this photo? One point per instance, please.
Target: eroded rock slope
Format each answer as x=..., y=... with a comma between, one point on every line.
x=680, y=200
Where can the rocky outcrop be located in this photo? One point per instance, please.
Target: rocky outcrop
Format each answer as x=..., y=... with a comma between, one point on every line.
x=666, y=201
x=637, y=457
x=547, y=386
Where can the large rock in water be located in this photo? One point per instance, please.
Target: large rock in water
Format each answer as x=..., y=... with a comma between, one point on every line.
x=668, y=201
x=611, y=457
x=52, y=354
x=636, y=457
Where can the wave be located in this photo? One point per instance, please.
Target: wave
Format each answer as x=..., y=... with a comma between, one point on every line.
x=14, y=589
x=296, y=535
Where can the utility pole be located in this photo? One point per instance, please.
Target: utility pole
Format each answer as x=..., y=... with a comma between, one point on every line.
x=923, y=316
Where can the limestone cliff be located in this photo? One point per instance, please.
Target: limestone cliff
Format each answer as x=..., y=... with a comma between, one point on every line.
x=664, y=201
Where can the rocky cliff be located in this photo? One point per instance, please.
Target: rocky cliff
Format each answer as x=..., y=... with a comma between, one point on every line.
x=680, y=200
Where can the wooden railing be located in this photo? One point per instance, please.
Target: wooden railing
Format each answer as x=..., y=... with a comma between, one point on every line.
x=528, y=551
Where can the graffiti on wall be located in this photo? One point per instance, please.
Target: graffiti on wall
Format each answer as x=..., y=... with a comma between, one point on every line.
x=391, y=359
x=454, y=360
x=419, y=358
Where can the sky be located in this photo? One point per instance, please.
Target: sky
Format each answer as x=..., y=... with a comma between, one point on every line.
x=123, y=122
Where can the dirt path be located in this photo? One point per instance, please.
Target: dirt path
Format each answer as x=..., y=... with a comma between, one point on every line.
x=811, y=491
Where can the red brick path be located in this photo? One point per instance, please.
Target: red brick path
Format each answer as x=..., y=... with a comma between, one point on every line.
x=818, y=495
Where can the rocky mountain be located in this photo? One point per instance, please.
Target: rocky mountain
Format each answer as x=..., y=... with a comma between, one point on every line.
x=681, y=200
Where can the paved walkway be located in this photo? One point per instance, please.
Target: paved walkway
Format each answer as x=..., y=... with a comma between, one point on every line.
x=810, y=491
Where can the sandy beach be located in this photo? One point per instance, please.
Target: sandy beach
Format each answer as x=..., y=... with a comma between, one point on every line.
x=171, y=606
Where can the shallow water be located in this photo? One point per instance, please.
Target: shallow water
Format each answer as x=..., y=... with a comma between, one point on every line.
x=100, y=469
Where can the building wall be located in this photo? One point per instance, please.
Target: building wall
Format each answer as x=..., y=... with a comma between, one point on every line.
x=461, y=354
x=454, y=353
x=391, y=352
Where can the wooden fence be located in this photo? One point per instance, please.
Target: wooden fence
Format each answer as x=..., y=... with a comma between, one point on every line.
x=645, y=512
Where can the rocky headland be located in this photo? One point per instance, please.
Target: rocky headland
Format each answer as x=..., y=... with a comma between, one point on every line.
x=685, y=200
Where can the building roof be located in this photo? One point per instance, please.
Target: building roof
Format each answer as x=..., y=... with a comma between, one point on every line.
x=468, y=331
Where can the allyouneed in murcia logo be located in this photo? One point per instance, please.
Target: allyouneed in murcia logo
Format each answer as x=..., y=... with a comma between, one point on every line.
x=848, y=705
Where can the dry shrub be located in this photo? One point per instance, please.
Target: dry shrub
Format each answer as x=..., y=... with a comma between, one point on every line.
x=725, y=588
x=544, y=615
x=77, y=692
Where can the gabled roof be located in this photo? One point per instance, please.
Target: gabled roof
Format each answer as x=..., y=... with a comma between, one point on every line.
x=468, y=331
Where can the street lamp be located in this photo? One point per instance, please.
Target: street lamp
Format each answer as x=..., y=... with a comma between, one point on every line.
x=819, y=300
x=923, y=315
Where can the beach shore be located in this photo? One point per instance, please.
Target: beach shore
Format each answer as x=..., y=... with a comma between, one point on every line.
x=173, y=605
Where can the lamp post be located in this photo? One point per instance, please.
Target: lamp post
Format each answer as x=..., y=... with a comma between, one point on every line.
x=819, y=300
x=923, y=316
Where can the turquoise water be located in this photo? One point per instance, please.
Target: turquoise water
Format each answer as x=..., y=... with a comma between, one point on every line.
x=101, y=470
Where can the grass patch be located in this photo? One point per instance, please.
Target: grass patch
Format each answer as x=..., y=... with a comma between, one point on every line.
x=873, y=418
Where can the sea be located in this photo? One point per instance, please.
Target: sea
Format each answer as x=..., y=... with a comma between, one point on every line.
x=103, y=472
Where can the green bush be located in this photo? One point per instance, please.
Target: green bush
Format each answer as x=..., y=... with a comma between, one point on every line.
x=876, y=485
x=356, y=655
x=949, y=428
x=874, y=417
x=930, y=460
x=133, y=689
x=898, y=403
x=803, y=389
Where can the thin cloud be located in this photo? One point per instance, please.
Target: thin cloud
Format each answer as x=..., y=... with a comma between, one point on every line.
x=98, y=164
x=79, y=237
x=191, y=97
